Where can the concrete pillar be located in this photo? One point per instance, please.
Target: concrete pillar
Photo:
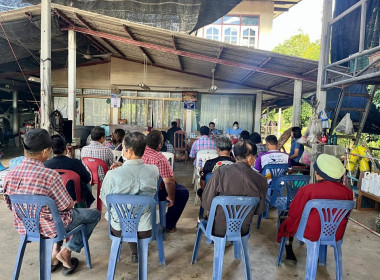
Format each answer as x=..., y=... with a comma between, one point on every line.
x=189, y=119
x=324, y=54
x=279, y=122
x=297, y=102
x=257, y=120
x=45, y=66
x=15, y=112
x=72, y=79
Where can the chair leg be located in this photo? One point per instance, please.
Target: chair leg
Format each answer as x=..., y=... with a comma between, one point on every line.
x=259, y=221
x=338, y=260
x=266, y=213
x=237, y=250
x=142, y=247
x=20, y=256
x=197, y=242
x=219, y=246
x=322, y=255
x=115, y=247
x=311, y=260
x=46, y=249
x=281, y=250
x=246, y=258
x=160, y=246
x=85, y=245
x=119, y=252
x=162, y=212
x=99, y=204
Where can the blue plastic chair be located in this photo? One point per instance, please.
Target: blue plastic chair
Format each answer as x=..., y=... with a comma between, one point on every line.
x=331, y=212
x=236, y=209
x=28, y=208
x=129, y=209
x=201, y=210
x=292, y=183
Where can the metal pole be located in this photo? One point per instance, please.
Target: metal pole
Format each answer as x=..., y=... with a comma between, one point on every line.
x=15, y=112
x=258, y=108
x=279, y=122
x=72, y=72
x=45, y=67
x=324, y=53
x=297, y=102
x=363, y=17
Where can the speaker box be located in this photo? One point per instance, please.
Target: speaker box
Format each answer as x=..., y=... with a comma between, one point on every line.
x=67, y=130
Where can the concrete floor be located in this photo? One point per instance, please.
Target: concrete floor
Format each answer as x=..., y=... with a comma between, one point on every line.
x=361, y=252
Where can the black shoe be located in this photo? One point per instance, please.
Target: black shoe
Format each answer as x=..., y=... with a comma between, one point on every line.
x=135, y=259
x=68, y=271
x=290, y=257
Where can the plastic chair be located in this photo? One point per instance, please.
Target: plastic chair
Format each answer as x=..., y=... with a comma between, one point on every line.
x=117, y=155
x=93, y=164
x=331, y=213
x=236, y=209
x=292, y=183
x=161, y=206
x=180, y=144
x=129, y=209
x=201, y=209
x=28, y=208
x=69, y=175
x=169, y=157
x=202, y=156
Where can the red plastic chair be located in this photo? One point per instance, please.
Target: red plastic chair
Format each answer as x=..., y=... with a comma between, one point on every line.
x=69, y=175
x=93, y=164
x=180, y=144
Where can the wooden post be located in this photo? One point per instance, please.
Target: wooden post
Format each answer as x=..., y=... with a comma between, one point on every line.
x=297, y=102
x=72, y=80
x=257, y=120
x=45, y=63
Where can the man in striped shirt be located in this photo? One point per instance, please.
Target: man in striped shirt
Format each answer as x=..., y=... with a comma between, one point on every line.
x=205, y=142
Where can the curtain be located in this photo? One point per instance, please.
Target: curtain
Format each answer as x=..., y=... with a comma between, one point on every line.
x=224, y=110
x=155, y=114
x=60, y=104
x=96, y=111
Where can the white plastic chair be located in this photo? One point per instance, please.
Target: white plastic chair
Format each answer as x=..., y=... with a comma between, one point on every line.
x=170, y=158
x=117, y=155
x=202, y=157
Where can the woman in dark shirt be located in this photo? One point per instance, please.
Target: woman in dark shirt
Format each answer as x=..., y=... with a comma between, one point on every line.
x=296, y=149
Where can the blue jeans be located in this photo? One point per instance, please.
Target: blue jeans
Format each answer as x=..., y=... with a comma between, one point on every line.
x=89, y=217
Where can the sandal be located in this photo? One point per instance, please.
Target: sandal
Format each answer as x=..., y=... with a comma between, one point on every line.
x=55, y=266
x=68, y=271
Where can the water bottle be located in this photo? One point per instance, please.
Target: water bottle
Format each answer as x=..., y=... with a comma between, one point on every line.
x=335, y=139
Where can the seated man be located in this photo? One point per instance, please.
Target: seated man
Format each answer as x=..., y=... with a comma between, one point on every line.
x=61, y=161
x=256, y=139
x=237, y=179
x=235, y=131
x=31, y=177
x=171, y=132
x=176, y=194
x=96, y=149
x=328, y=172
x=133, y=177
x=244, y=135
x=273, y=156
x=213, y=131
x=205, y=142
x=223, y=147
x=166, y=147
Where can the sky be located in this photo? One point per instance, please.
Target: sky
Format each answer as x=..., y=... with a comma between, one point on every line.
x=306, y=15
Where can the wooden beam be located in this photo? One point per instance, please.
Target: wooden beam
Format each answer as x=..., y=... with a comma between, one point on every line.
x=278, y=9
x=265, y=61
x=126, y=29
x=187, y=54
x=285, y=2
x=179, y=58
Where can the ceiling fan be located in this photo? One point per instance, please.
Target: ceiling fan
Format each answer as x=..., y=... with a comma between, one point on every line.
x=88, y=55
x=143, y=85
x=213, y=87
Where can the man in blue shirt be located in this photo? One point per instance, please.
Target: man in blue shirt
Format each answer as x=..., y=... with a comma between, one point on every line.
x=234, y=130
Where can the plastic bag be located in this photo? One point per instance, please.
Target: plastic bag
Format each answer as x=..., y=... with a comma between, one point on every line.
x=315, y=129
x=345, y=125
x=324, y=117
x=305, y=158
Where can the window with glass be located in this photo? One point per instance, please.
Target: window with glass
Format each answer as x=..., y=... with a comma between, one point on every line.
x=231, y=35
x=96, y=111
x=60, y=104
x=212, y=33
x=248, y=38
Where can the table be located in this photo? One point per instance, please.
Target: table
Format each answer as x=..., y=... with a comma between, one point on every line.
x=71, y=149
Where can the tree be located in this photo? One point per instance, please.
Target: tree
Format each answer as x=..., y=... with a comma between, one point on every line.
x=299, y=45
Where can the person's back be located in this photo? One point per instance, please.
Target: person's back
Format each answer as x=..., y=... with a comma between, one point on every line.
x=205, y=142
x=171, y=131
x=236, y=180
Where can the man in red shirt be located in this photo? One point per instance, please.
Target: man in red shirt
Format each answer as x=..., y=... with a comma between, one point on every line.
x=328, y=172
x=33, y=178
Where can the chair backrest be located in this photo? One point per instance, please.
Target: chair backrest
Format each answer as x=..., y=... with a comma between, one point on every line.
x=69, y=175
x=28, y=208
x=117, y=155
x=129, y=209
x=15, y=161
x=93, y=164
x=292, y=183
x=204, y=155
x=169, y=157
x=236, y=209
x=180, y=140
x=275, y=170
x=331, y=213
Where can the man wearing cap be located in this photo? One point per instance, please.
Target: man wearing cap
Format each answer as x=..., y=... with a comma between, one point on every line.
x=328, y=172
x=31, y=177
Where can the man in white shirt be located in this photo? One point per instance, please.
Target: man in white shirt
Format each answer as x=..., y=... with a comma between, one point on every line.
x=133, y=177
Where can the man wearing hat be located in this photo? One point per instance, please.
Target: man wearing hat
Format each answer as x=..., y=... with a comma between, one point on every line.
x=31, y=177
x=328, y=172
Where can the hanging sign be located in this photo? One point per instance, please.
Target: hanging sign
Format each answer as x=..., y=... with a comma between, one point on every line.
x=189, y=105
x=189, y=96
x=115, y=101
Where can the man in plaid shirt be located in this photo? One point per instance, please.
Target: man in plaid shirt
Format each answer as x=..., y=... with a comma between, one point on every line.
x=97, y=150
x=31, y=177
x=205, y=142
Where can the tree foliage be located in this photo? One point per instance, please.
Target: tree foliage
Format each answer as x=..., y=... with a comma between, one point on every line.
x=299, y=45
